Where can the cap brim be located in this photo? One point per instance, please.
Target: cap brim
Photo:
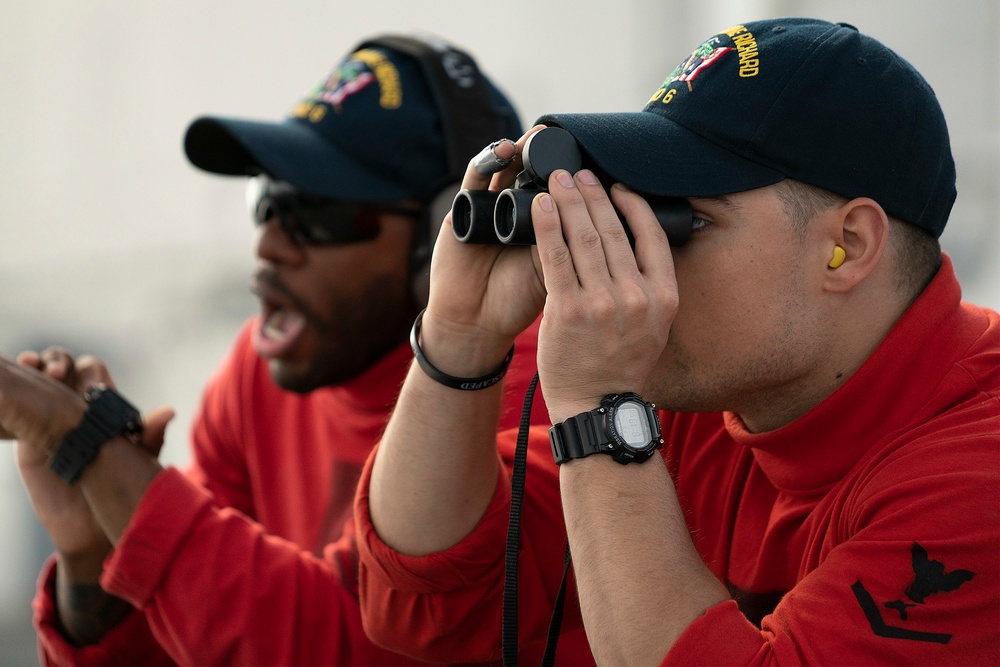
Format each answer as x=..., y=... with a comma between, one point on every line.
x=287, y=151
x=656, y=156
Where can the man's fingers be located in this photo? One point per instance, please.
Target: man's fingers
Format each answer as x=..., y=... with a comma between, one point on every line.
x=91, y=371
x=58, y=363
x=558, y=271
x=496, y=166
x=588, y=223
x=154, y=429
x=479, y=173
x=30, y=358
x=610, y=253
x=652, y=248
x=495, y=157
x=36, y=407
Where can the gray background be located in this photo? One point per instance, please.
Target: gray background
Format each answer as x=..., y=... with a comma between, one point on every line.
x=111, y=243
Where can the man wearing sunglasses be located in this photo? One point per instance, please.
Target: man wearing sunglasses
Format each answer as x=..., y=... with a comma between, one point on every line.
x=249, y=556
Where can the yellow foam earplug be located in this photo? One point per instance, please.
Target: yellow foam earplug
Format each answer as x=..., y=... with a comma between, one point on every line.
x=838, y=257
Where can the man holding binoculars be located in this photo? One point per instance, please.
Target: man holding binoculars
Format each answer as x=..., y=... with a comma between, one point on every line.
x=774, y=443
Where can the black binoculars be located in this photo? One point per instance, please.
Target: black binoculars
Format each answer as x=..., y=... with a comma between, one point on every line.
x=504, y=217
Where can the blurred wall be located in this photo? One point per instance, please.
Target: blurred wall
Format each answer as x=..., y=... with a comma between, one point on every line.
x=111, y=243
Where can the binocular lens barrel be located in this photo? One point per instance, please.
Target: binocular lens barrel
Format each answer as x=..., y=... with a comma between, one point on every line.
x=472, y=216
x=512, y=217
x=490, y=217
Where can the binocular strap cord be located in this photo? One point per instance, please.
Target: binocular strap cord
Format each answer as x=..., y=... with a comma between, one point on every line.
x=509, y=639
x=555, y=623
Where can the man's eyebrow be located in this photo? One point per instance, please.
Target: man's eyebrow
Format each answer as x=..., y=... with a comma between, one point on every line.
x=721, y=200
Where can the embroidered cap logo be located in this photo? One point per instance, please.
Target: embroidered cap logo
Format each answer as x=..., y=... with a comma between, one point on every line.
x=360, y=70
x=741, y=40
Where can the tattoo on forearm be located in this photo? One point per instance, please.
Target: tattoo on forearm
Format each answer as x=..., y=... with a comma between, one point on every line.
x=88, y=611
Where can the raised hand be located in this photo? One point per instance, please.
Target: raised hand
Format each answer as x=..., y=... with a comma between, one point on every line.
x=482, y=294
x=40, y=401
x=36, y=408
x=609, y=308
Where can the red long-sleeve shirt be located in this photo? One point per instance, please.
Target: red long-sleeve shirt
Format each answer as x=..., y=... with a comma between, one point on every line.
x=865, y=532
x=249, y=557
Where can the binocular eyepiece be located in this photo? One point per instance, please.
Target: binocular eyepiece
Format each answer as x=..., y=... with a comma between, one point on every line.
x=504, y=217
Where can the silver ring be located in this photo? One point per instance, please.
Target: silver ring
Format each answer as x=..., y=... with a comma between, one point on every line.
x=488, y=162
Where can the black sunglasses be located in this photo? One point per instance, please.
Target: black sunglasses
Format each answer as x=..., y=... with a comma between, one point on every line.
x=313, y=220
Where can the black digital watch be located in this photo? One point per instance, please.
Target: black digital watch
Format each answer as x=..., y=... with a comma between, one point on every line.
x=108, y=415
x=625, y=426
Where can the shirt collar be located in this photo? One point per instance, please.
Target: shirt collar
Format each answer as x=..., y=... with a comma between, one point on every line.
x=883, y=397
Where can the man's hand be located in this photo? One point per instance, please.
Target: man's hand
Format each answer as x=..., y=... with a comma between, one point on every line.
x=609, y=308
x=35, y=408
x=61, y=508
x=482, y=296
x=40, y=401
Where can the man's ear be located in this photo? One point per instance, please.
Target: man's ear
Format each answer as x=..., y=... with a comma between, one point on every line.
x=860, y=228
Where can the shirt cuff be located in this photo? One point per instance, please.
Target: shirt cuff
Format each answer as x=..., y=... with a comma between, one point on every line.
x=136, y=568
x=477, y=555
x=128, y=642
x=720, y=636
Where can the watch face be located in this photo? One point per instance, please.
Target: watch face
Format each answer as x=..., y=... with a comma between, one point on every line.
x=631, y=424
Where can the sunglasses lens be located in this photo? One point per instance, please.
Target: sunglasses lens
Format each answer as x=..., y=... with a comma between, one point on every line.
x=333, y=222
x=310, y=220
x=265, y=211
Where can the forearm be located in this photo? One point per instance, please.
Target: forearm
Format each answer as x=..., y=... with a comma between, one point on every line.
x=640, y=580
x=86, y=611
x=115, y=483
x=113, y=486
x=436, y=467
x=82, y=518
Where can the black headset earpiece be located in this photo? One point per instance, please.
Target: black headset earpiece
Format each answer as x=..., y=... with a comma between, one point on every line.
x=470, y=120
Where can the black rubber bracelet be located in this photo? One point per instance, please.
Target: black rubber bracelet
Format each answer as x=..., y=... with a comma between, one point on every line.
x=465, y=384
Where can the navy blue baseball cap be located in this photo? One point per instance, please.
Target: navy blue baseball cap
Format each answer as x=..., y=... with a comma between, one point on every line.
x=397, y=118
x=797, y=98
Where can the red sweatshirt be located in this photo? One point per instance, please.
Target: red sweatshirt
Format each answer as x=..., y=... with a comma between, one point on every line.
x=865, y=532
x=249, y=557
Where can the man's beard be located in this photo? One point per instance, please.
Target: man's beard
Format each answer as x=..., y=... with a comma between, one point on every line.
x=349, y=342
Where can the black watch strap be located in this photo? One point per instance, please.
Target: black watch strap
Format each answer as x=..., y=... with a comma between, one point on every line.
x=580, y=436
x=108, y=415
x=625, y=427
